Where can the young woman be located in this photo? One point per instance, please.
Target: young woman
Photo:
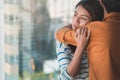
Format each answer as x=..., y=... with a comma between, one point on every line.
x=72, y=60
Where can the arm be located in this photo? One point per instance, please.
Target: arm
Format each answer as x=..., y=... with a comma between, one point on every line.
x=66, y=35
x=62, y=52
x=82, y=38
x=71, y=67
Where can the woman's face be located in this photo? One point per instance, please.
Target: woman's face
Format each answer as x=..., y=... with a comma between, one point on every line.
x=80, y=18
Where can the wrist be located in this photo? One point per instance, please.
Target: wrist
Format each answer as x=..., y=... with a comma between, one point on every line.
x=80, y=49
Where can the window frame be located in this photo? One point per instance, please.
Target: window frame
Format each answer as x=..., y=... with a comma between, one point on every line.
x=2, y=61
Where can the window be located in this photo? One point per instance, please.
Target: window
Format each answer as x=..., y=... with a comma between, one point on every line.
x=12, y=19
x=13, y=2
x=33, y=40
x=11, y=59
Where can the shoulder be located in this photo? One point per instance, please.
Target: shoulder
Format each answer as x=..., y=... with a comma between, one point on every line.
x=95, y=24
x=60, y=44
x=63, y=47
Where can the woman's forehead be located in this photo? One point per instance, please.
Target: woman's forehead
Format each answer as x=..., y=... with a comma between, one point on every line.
x=80, y=10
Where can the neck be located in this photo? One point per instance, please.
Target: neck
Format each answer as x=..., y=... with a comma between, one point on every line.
x=105, y=12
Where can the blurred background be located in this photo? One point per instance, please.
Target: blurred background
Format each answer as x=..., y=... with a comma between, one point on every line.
x=27, y=28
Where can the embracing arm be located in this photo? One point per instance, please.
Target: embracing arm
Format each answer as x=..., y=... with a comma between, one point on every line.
x=71, y=65
x=82, y=38
x=66, y=35
x=62, y=52
x=74, y=66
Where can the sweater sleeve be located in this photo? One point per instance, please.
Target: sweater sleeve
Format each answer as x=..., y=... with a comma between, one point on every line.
x=64, y=57
x=66, y=35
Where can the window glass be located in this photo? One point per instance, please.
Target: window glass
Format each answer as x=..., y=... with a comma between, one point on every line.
x=30, y=26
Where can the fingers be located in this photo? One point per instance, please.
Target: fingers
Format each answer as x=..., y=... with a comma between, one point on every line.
x=80, y=30
x=77, y=33
x=83, y=31
x=88, y=34
x=82, y=35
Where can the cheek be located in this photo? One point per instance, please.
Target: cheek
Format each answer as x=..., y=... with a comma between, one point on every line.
x=83, y=23
x=73, y=19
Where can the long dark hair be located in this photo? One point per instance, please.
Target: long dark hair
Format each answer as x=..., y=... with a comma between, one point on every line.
x=95, y=10
x=93, y=7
